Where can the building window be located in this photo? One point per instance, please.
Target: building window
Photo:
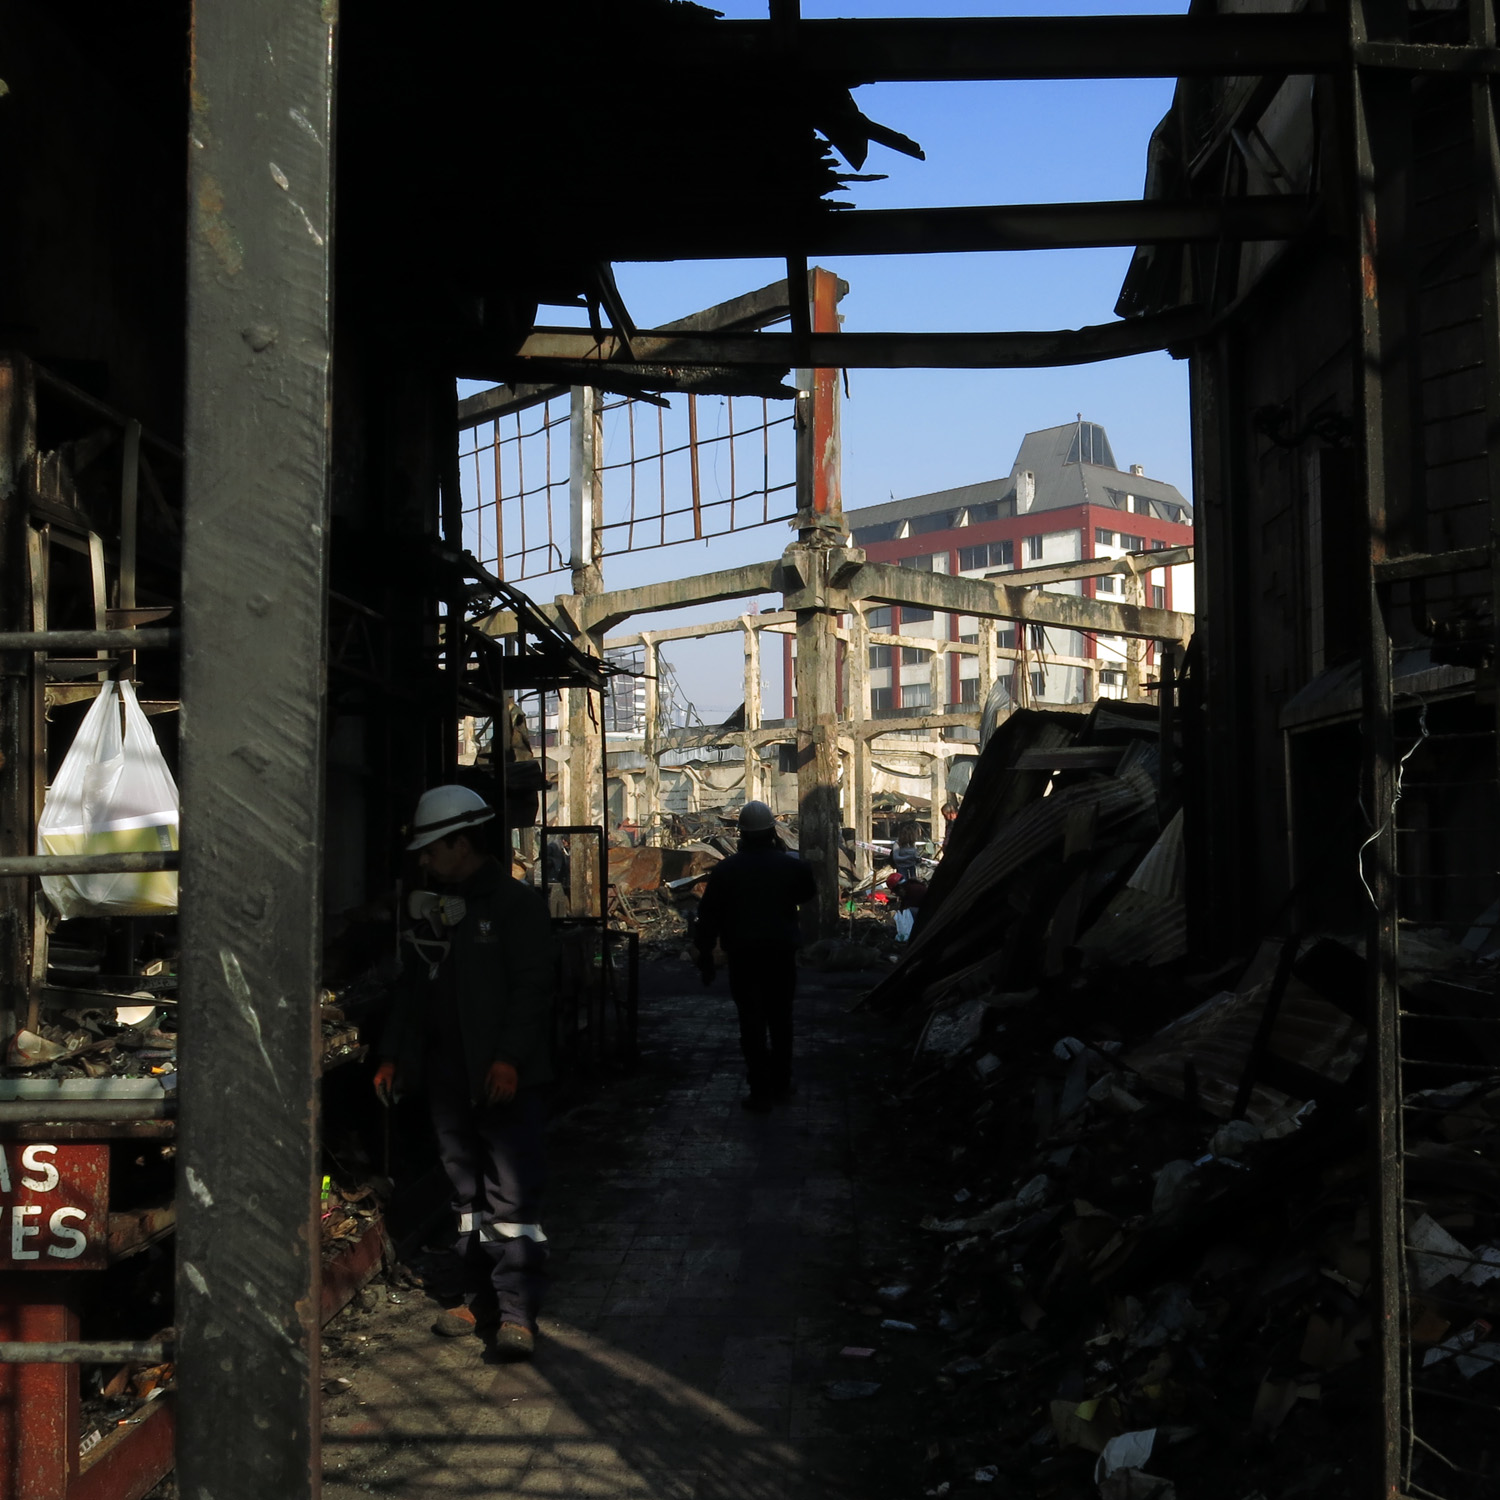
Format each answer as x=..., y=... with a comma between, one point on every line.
x=920, y=564
x=1005, y=637
x=879, y=619
x=1103, y=538
x=941, y=520
x=1002, y=554
x=1132, y=543
x=1158, y=596
x=1106, y=585
x=916, y=695
x=968, y=690
x=882, y=698
x=910, y=616
x=1038, y=635
x=970, y=558
x=969, y=640
x=1033, y=549
x=880, y=656
x=1038, y=683
x=1111, y=679
x=914, y=656
x=1157, y=545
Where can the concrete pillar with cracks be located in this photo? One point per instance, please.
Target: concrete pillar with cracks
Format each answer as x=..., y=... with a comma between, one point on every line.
x=820, y=520
x=651, y=741
x=753, y=776
x=585, y=724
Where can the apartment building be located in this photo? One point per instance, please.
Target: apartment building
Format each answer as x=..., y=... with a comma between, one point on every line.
x=1064, y=500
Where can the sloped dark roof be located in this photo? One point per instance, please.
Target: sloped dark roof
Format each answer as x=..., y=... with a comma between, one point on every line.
x=1051, y=454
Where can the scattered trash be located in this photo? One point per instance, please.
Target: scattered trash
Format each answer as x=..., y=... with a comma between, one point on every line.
x=852, y=1390
x=1128, y=1450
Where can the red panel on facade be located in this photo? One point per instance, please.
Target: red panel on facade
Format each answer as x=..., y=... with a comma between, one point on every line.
x=54, y=1206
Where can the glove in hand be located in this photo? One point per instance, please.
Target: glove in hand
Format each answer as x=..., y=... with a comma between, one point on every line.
x=501, y=1083
x=385, y=1082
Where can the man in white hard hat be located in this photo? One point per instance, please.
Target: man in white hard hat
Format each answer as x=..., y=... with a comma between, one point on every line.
x=472, y=1024
x=749, y=909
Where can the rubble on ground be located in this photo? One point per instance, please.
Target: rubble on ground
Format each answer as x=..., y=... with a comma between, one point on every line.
x=1144, y=1265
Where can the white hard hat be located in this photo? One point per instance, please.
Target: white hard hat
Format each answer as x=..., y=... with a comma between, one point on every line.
x=755, y=817
x=442, y=810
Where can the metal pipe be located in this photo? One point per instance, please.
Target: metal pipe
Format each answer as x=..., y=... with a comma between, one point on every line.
x=58, y=641
x=88, y=864
x=105, y=1352
x=66, y=1111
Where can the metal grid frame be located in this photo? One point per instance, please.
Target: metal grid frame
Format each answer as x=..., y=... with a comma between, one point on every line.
x=516, y=473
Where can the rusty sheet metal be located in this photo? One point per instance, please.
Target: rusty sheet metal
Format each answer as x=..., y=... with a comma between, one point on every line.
x=348, y=1271
x=131, y=1460
x=648, y=869
x=54, y=1206
x=931, y=951
x=1217, y=1039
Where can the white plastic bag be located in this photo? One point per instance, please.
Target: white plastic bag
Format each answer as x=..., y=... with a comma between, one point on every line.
x=905, y=921
x=114, y=794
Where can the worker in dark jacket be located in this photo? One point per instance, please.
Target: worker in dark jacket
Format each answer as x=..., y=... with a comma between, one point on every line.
x=749, y=909
x=472, y=1024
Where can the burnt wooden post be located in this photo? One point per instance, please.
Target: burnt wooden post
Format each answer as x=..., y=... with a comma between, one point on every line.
x=255, y=541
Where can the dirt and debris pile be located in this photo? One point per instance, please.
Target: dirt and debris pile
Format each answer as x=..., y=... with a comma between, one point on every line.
x=1145, y=1263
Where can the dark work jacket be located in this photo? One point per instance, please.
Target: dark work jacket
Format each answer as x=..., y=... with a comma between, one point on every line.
x=750, y=903
x=500, y=976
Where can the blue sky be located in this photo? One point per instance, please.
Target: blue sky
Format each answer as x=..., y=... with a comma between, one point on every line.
x=909, y=431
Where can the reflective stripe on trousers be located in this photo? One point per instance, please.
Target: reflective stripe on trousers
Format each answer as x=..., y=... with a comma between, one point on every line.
x=469, y=1223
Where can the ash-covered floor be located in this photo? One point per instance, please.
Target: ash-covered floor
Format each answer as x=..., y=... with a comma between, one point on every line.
x=706, y=1265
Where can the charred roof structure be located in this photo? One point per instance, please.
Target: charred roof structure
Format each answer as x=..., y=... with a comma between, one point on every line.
x=230, y=392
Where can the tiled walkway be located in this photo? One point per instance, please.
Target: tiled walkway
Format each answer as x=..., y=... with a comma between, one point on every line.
x=693, y=1326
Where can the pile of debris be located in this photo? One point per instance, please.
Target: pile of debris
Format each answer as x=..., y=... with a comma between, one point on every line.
x=1145, y=1266
x=348, y=1213
x=138, y=1041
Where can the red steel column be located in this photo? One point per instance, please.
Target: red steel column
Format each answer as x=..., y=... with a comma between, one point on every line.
x=38, y=1403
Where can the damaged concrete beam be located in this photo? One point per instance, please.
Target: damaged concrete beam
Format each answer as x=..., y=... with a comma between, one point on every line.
x=884, y=583
x=600, y=612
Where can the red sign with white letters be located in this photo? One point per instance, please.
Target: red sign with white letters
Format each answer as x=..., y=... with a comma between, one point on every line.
x=54, y=1206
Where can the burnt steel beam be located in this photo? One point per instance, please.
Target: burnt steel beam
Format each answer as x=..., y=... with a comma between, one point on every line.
x=877, y=351
x=1027, y=47
x=757, y=309
x=1000, y=48
x=254, y=599
x=1017, y=226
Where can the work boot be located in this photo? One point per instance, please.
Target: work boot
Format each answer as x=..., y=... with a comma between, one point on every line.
x=757, y=1104
x=514, y=1342
x=455, y=1323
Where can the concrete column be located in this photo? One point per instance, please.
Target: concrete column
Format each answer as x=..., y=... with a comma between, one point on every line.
x=988, y=661
x=651, y=740
x=585, y=729
x=939, y=793
x=752, y=709
x=1135, y=648
x=937, y=676
x=820, y=520
x=857, y=794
